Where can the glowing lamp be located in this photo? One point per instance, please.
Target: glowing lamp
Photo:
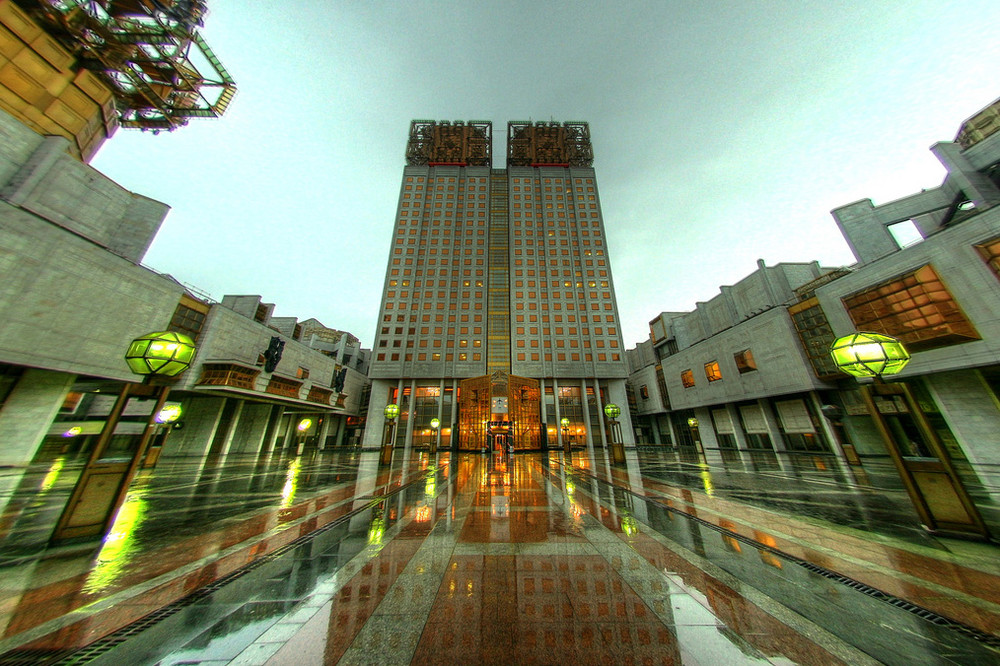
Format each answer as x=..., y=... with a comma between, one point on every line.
x=869, y=354
x=391, y=411
x=435, y=423
x=73, y=432
x=693, y=422
x=304, y=425
x=168, y=414
x=612, y=411
x=163, y=353
x=565, y=423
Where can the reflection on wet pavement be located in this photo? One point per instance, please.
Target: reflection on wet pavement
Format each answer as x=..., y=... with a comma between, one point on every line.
x=533, y=558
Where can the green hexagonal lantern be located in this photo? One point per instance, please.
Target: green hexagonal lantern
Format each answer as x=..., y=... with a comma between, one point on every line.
x=612, y=411
x=162, y=353
x=869, y=354
x=391, y=411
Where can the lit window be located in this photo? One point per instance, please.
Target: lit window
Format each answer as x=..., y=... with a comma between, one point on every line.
x=712, y=371
x=916, y=307
x=687, y=378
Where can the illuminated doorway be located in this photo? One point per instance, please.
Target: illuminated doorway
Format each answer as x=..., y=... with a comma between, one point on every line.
x=498, y=410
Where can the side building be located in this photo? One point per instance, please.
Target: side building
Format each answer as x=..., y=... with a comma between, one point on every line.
x=75, y=294
x=731, y=374
x=751, y=369
x=498, y=314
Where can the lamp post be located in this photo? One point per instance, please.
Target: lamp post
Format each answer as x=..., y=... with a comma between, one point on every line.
x=613, y=411
x=564, y=422
x=167, y=419
x=435, y=431
x=302, y=431
x=101, y=489
x=391, y=412
x=931, y=480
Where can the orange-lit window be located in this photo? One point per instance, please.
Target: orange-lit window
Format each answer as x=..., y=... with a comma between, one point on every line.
x=687, y=378
x=990, y=251
x=712, y=371
x=745, y=361
x=916, y=308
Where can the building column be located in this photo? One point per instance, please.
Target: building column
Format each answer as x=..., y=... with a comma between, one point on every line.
x=227, y=441
x=618, y=395
x=411, y=408
x=247, y=433
x=738, y=434
x=555, y=402
x=271, y=432
x=600, y=412
x=773, y=429
x=453, y=423
x=440, y=415
x=200, y=418
x=375, y=423
x=706, y=428
x=341, y=429
x=588, y=427
x=324, y=431
x=654, y=426
x=28, y=413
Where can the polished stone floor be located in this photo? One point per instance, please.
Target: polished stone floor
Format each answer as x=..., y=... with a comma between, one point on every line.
x=534, y=558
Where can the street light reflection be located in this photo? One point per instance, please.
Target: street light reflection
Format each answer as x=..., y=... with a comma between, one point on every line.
x=118, y=544
x=291, y=483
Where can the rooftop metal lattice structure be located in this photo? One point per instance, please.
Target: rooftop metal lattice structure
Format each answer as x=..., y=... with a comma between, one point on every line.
x=458, y=143
x=161, y=70
x=549, y=144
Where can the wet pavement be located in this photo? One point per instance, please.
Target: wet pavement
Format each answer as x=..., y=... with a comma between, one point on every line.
x=328, y=558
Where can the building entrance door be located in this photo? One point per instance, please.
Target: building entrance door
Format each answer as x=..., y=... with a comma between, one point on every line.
x=499, y=405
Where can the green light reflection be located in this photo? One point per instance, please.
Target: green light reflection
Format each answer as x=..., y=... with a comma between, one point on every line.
x=53, y=475
x=119, y=545
x=291, y=483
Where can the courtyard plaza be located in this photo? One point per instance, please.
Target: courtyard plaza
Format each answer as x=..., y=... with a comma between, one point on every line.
x=463, y=558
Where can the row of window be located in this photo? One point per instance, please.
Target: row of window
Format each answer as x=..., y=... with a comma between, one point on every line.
x=426, y=318
x=438, y=330
x=441, y=283
x=599, y=343
x=435, y=356
x=430, y=342
x=521, y=356
x=744, y=363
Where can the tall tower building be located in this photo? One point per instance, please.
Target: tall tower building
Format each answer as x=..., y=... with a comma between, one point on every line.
x=498, y=313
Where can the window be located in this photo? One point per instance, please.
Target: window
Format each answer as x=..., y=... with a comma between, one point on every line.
x=188, y=320
x=990, y=252
x=816, y=336
x=744, y=361
x=687, y=378
x=916, y=307
x=712, y=371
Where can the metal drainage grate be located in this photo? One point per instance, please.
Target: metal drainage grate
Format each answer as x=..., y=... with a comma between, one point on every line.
x=863, y=588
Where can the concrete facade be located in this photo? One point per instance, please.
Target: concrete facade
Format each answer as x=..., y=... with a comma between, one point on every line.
x=74, y=296
x=938, y=295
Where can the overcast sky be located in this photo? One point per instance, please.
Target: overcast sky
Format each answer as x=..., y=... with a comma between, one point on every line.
x=724, y=132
